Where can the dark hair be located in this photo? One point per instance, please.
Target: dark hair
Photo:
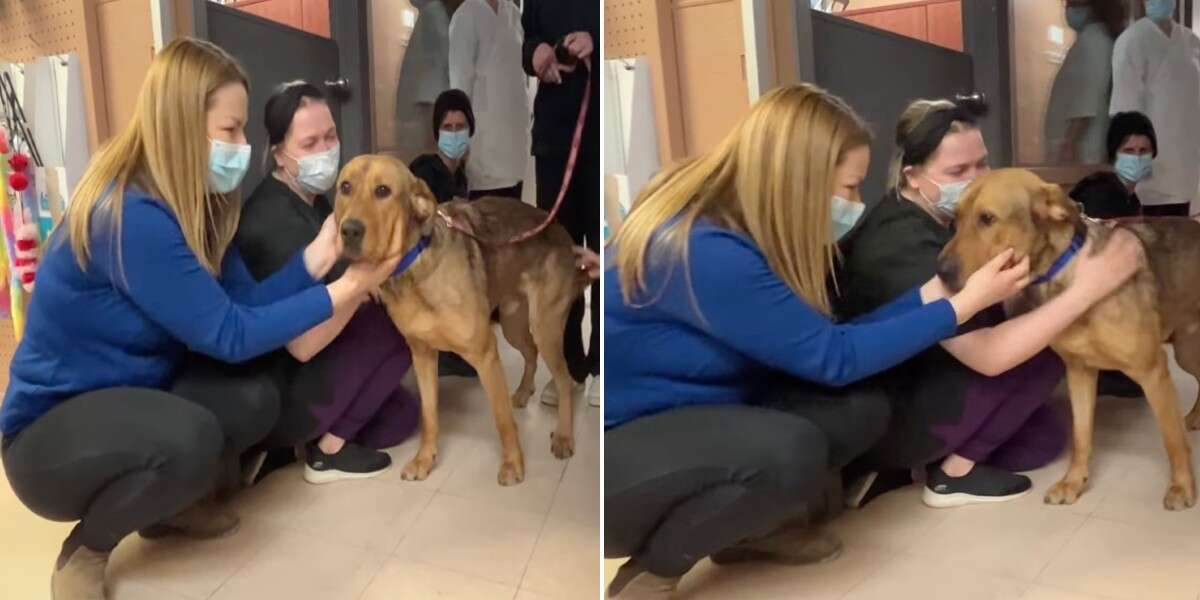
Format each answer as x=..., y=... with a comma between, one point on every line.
x=922, y=127
x=281, y=109
x=451, y=100
x=1110, y=13
x=1126, y=124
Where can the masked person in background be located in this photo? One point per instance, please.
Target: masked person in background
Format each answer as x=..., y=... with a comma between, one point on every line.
x=1077, y=113
x=339, y=381
x=1156, y=71
x=972, y=412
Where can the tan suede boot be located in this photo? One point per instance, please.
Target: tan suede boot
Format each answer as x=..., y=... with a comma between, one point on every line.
x=632, y=582
x=81, y=578
x=201, y=521
x=788, y=546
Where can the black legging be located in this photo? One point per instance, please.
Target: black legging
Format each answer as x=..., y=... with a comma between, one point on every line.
x=580, y=215
x=120, y=459
x=684, y=483
x=1166, y=210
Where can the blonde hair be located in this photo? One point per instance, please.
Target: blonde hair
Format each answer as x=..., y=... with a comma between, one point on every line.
x=908, y=130
x=164, y=150
x=771, y=178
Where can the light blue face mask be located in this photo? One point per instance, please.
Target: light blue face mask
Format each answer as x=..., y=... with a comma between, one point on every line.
x=1160, y=10
x=845, y=215
x=227, y=165
x=1078, y=16
x=1132, y=167
x=454, y=144
x=948, y=196
x=317, y=171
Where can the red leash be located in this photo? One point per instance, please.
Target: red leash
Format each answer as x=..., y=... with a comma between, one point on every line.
x=567, y=174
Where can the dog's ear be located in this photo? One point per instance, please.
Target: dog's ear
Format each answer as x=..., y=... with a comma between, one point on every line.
x=424, y=205
x=1051, y=203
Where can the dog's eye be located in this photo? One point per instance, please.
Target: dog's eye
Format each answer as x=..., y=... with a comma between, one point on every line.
x=382, y=192
x=986, y=219
x=345, y=187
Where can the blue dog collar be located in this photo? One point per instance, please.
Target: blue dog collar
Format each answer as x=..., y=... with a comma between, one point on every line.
x=411, y=256
x=1062, y=260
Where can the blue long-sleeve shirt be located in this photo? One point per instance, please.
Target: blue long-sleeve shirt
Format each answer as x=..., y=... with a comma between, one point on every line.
x=109, y=326
x=707, y=337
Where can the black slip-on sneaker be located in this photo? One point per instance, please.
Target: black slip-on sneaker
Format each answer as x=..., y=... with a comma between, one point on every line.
x=983, y=484
x=351, y=462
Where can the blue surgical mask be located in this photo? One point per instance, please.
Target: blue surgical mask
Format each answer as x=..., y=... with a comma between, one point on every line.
x=454, y=144
x=1160, y=10
x=1078, y=16
x=845, y=215
x=318, y=171
x=948, y=196
x=227, y=165
x=1132, y=167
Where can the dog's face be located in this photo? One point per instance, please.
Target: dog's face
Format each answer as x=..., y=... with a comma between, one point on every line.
x=1009, y=208
x=380, y=206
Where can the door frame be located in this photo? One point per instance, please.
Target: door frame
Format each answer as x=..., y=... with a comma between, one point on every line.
x=348, y=28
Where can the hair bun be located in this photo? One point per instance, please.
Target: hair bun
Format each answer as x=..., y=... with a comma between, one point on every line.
x=974, y=105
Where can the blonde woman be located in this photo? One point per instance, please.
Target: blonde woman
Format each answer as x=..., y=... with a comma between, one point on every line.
x=720, y=280
x=97, y=426
x=973, y=409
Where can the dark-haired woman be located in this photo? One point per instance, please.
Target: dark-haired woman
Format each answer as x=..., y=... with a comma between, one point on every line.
x=1131, y=146
x=1077, y=113
x=340, y=381
x=453, y=125
x=973, y=411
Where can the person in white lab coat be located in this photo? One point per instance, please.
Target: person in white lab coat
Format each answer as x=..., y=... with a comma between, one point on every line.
x=424, y=73
x=485, y=62
x=1156, y=71
x=1077, y=114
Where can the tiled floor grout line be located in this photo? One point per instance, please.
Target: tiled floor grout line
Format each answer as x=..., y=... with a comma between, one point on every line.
x=542, y=529
x=1058, y=551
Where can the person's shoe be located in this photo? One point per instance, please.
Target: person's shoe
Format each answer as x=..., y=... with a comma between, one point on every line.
x=787, y=546
x=351, y=462
x=983, y=484
x=272, y=460
x=632, y=582
x=873, y=484
x=595, y=389
x=550, y=392
x=1117, y=385
x=201, y=521
x=81, y=578
x=453, y=365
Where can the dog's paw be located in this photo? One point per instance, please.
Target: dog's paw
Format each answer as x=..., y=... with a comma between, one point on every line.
x=512, y=472
x=1179, y=497
x=520, y=398
x=1064, y=492
x=417, y=469
x=562, y=446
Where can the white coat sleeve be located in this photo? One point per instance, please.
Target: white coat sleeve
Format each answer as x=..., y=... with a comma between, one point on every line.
x=1129, y=77
x=464, y=45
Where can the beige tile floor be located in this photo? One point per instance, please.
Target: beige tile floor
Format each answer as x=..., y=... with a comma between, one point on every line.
x=457, y=535
x=1116, y=543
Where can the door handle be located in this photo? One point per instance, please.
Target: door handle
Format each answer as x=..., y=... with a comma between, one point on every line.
x=340, y=87
x=974, y=98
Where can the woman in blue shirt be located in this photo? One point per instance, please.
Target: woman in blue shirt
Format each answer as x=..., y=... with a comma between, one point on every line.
x=97, y=426
x=719, y=285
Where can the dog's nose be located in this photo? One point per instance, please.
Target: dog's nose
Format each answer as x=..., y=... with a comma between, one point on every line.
x=947, y=271
x=353, y=230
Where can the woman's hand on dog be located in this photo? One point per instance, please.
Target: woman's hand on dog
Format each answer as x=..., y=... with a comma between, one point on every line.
x=1099, y=273
x=587, y=260
x=360, y=279
x=322, y=252
x=995, y=282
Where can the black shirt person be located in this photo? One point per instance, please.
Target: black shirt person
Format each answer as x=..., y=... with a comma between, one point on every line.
x=453, y=125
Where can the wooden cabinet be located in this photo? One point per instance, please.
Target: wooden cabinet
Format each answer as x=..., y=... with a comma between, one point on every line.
x=309, y=15
x=934, y=21
x=710, y=56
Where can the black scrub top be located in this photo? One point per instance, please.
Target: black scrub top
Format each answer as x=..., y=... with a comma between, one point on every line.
x=276, y=224
x=445, y=185
x=1104, y=196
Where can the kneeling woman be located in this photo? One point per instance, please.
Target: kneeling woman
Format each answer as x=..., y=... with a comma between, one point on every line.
x=973, y=409
x=340, y=381
x=98, y=425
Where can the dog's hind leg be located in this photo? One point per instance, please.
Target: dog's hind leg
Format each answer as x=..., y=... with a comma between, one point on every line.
x=1164, y=401
x=425, y=365
x=486, y=360
x=1187, y=354
x=1081, y=384
x=514, y=322
x=548, y=319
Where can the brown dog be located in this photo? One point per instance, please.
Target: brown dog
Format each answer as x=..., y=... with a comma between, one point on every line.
x=1125, y=331
x=444, y=300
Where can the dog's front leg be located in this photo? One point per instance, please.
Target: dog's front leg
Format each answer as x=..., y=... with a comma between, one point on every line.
x=495, y=385
x=1163, y=399
x=1081, y=384
x=425, y=364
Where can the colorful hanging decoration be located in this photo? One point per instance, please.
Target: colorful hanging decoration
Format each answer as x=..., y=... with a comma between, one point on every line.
x=19, y=208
